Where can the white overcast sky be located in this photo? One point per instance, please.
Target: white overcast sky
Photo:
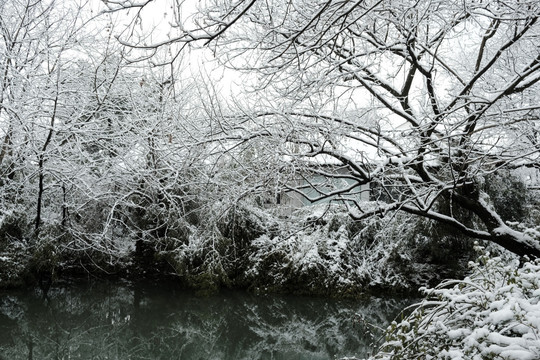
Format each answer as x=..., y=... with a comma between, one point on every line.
x=155, y=26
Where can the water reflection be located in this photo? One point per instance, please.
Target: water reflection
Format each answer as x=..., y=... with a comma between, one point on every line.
x=101, y=320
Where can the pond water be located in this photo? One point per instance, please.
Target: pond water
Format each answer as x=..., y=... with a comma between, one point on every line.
x=103, y=320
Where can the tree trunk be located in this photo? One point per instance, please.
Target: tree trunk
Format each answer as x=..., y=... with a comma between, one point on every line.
x=41, y=163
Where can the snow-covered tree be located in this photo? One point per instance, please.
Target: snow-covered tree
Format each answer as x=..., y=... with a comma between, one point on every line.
x=39, y=43
x=423, y=99
x=95, y=154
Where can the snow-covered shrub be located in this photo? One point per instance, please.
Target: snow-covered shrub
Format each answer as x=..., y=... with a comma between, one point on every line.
x=214, y=253
x=492, y=314
x=242, y=223
x=307, y=262
x=321, y=249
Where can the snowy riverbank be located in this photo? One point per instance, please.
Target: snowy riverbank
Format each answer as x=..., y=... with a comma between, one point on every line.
x=319, y=250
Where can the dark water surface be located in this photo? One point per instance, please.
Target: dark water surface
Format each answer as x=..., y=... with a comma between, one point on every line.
x=103, y=320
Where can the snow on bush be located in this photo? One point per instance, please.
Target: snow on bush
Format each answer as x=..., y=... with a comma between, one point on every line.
x=492, y=314
x=320, y=249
